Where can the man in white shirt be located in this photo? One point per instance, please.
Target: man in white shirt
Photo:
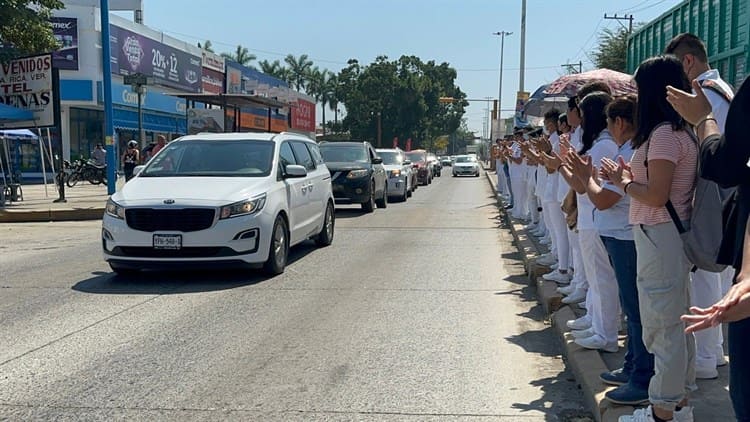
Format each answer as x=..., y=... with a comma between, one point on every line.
x=707, y=286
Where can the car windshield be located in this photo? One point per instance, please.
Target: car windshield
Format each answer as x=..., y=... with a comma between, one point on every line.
x=344, y=153
x=210, y=158
x=415, y=157
x=391, y=157
x=465, y=159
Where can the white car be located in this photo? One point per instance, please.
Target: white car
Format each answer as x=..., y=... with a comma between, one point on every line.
x=398, y=168
x=465, y=165
x=221, y=199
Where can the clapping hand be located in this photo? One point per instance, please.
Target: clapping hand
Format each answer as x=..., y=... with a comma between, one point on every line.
x=692, y=107
x=617, y=172
x=727, y=309
x=581, y=167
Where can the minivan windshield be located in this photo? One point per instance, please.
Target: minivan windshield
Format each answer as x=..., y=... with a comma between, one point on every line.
x=344, y=153
x=465, y=159
x=415, y=157
x=212, y=158
x=391, y=158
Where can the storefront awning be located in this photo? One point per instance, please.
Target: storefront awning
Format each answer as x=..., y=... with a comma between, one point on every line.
x=233, y=100
x=128, y=119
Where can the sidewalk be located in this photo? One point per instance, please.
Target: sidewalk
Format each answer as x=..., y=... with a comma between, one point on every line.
x=711, y=402
x=84, y=202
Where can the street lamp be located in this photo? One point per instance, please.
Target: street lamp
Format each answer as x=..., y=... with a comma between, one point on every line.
x=502, y=35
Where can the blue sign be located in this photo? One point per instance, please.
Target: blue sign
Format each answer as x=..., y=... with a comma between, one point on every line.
x=123, y=95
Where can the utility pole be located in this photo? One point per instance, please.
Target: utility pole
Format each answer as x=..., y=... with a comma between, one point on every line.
x=571, y=67
x=523, y=45
x=109, y=131
x=502, y=35
x=622, y=18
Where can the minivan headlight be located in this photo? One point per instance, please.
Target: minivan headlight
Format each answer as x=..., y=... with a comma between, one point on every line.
x=115, y=210
x=355, y=174
x=247, y=207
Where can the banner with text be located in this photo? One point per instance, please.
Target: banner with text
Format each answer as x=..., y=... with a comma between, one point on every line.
x=201, y=120
x=134, y=53
x=65, y=31
x=303, y=115
x=28, y=84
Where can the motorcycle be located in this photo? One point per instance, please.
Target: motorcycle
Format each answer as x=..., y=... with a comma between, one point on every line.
x=95, y=174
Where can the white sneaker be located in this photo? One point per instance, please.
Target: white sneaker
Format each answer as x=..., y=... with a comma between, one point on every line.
x=640, y=415
x=706, y=373
x=596, y=342
x=557, y=265
x=581, y=323
x=545, y=241
x=578, y=295
x=582, y=305
x=557, y=277
x=546, y=260
x=566, y=290
x=583, y=333
x=684, y=415
x=720, y=359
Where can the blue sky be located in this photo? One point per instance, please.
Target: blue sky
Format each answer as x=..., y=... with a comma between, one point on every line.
x=455, y=31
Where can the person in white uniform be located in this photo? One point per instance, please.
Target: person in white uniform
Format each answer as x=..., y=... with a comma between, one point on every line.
x=708, y=287
x=517, y=170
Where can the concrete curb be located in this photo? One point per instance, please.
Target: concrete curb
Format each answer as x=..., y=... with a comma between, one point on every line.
x=585, y=364
x=75, y=214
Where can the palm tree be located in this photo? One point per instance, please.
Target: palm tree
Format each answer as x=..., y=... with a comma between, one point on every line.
x=241, y=55
x=207, y=46
x=275, y=69
x=299, y=68
x=321, y=86
x=335, y=97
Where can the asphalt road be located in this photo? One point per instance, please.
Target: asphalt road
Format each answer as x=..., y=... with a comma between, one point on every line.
x=417, y=312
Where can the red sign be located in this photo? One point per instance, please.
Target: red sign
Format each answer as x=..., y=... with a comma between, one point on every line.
x=213, y=81
x=303, y=115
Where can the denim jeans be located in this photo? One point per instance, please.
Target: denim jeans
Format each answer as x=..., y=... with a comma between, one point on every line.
x=639, y=363
x=510, y=187
x=739, y=368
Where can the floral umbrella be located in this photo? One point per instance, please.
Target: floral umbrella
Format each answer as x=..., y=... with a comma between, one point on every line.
x=568, y=85
x=540, y=102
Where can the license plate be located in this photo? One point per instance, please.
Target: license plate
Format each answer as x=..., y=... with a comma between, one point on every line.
x=167, y=241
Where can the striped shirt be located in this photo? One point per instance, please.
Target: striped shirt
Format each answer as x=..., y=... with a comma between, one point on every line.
x=676, y=147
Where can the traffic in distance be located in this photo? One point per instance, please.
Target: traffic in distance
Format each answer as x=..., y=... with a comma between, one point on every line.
x=240, y=199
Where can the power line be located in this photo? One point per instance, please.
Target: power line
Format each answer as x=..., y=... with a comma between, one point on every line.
x=633, y=7
x=648, y=7
x=585, y=44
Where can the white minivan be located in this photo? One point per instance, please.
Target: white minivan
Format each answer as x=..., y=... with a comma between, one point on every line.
x=221, y=200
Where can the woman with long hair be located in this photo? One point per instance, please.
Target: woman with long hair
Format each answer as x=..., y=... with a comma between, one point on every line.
x=661, y=173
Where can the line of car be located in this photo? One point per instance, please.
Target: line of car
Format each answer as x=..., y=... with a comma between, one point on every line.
x=241, y=199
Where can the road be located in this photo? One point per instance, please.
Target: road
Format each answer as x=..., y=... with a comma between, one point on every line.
x=417, y=312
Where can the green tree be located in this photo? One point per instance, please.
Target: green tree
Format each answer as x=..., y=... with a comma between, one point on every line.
x=207, y=46
x=406, y=92
x=275, y=69
x=321, y=85
x=241, y=55
x=300, y=69
x=612, y=52
x=25, y=28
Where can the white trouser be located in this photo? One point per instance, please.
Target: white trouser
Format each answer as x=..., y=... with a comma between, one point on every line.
x=501, y=183
x=559, y=231
x=520, y=201
x=727, y=277
x=580, y=279
x=531, y=196
x=706, y=290
x=602, y=300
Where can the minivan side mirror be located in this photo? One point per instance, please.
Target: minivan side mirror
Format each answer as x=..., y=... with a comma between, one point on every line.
x=137, y=170
x=377, y=160
x=294, y=171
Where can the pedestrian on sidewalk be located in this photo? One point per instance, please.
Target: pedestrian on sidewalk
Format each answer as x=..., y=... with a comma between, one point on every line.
x=99, y=155
x=611, y=219
x=724, y=160
x=130, y=159
x=663, y=169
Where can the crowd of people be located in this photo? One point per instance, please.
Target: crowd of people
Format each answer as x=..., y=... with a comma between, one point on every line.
x=613, y=186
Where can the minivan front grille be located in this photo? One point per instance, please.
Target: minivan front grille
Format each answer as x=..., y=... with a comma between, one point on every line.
x=182, y=220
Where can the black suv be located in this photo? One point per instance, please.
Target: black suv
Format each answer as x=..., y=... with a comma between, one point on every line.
x=357, y=174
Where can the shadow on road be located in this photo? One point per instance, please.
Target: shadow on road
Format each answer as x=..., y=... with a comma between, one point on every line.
x=347, y=213
x=180, y=282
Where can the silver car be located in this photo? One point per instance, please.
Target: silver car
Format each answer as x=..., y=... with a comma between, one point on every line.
x=401, y=176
